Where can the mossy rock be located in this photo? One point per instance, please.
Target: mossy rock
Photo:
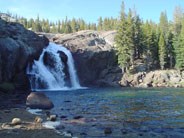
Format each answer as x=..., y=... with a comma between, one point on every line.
x=6, y=87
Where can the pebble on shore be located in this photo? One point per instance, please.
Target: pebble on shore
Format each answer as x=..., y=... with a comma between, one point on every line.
x=16, y=121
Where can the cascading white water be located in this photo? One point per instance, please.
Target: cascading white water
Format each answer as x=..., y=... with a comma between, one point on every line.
x=51, y=76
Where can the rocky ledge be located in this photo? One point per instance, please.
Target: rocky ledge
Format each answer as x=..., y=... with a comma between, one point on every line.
x=94, y=56
x=18, y=46
x=158, y=78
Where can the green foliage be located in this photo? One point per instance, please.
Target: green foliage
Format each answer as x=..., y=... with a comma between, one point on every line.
x=162, y=51
x=179, y=49
x=122, y=41
x=128, y=39
x=66, y=25
x=150, y=45
x=170, y=50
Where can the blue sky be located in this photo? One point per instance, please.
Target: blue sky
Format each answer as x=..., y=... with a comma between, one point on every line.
x=89, y=10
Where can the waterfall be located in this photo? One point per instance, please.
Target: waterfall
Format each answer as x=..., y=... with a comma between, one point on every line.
x=54, y=70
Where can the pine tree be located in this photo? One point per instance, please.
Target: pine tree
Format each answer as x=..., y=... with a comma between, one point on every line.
x=122, y=41
x=150, y=46
x=59, y=27
x=53, y=28
x=163, y=24
x=170, y=50
x=137, y=37
x=100, y=24
x=38, y=27
x=130, y=35
x=68, y=28
x=179, y=49
x=47, y=26
x=74, y=25
x=162, y=51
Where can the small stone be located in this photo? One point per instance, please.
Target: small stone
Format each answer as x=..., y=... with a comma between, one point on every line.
x=53, y=117
x=68, y=135
x=60, y=127
x=7, y=111
x=47, y=113
x=16, y=121
x=83, y=134
x=123, y=131
x=144, y=129
x=67, y=101
x=63, y=116
x=5, y=126
x=107, y=130
x=38, y=120
x=78, y=117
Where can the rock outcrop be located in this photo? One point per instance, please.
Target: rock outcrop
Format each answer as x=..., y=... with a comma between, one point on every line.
x=158, y=78
x=94, y=56
x=18, y=46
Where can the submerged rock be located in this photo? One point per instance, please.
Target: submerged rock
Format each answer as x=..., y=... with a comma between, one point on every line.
x=52, y=118
x=107, y=130
x=38, y=100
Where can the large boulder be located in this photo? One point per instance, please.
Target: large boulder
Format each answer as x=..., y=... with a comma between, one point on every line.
x=94, y=56
x=38, y=100
x=18, y=46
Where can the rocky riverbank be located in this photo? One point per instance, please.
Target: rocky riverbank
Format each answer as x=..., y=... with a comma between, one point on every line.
x=158, y=78
x=13, y=108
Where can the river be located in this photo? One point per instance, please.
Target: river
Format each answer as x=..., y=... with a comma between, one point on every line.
x=120, y=112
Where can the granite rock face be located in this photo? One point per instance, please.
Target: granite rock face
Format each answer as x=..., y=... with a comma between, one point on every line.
x=94, y=56
x=18, y=46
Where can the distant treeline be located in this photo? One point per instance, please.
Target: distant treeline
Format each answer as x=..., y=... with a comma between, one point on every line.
x=66, y=25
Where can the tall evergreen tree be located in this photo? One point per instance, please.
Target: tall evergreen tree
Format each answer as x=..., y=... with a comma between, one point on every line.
x=170, y=50
x=137, y=37
x=163, y=24
x=179, y=49
x=100, y=24
x=38, y=27
x=150, y=46
x=122, y=41
x=162, y=51
x=74, y=25
x=68, y=28
x=59, y=26
x=130, y=35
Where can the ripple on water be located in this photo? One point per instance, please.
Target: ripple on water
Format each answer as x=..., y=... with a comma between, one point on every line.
x=131, y=112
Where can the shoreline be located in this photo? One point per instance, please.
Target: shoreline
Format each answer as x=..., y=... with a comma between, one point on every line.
x=12, y=105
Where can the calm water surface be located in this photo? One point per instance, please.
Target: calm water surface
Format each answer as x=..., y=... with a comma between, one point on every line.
x=128, y=112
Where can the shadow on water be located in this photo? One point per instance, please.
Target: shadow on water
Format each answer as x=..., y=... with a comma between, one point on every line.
x=129, y=112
